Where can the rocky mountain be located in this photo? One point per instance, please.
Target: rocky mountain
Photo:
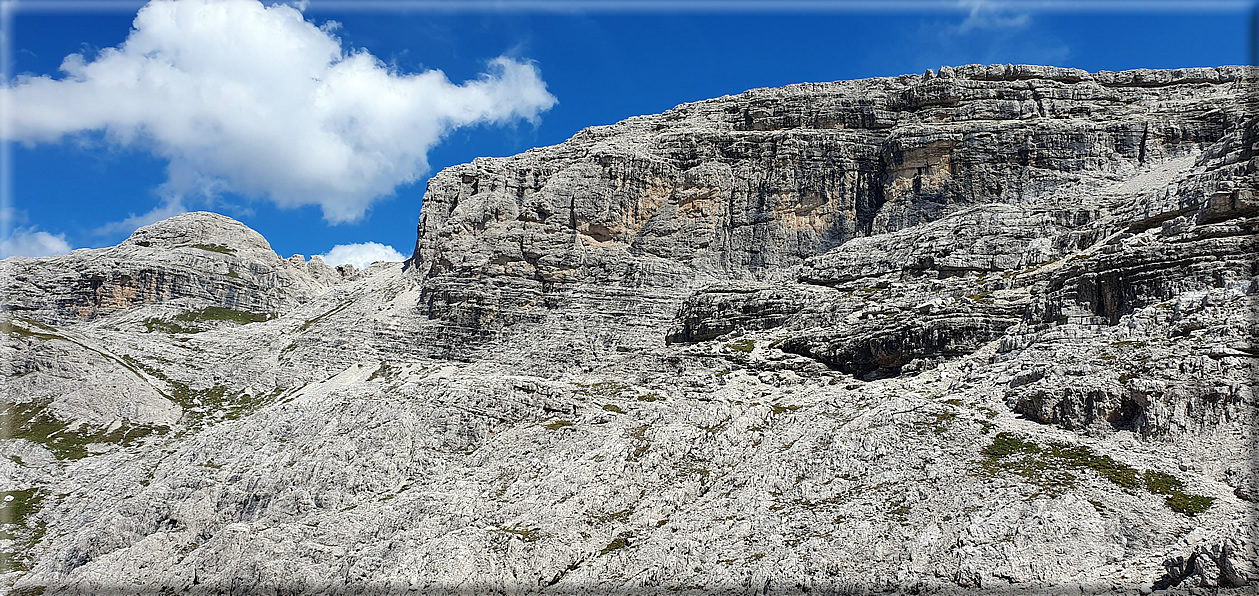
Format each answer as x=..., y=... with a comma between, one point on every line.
x=990, y=329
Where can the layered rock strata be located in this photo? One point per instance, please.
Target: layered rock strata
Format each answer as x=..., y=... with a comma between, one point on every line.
x=989, y=329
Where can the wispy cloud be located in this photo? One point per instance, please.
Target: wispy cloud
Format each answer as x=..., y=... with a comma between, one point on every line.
x=986, y=14
x=12, y=217
x=361, y=255
x=257, y=100
x=168, y=208
x=987, y=32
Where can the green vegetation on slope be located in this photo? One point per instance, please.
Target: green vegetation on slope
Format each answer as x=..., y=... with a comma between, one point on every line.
x=209, y=404
x=219, y=248
x=219, y=313
x=311, y=322
x=17, y=509
x=1053, y=468
x=33, y=421
x=21, y=329
x=207, y=314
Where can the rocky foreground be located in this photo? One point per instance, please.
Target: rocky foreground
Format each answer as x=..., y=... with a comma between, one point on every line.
x=990, y=329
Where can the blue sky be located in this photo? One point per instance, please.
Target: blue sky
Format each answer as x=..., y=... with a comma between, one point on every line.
x=89, y=164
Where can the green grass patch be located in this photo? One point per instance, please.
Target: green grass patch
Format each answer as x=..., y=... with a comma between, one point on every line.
x=385, y=372
x=899, y=511
x=1083, y=458
x=982, y=298
x=151, y=325
x=202, y=406
x=219, y=248
x=1162, y=483
x=777, y=409
x=311, y=322
x=641, y=443
x=621, y=516
x=35, y=324
x=17, y=509
x=742, y=345
x=1053, y=468
x=1190, y=505
x=1006, y=444
x=601, y=389
x=940, y=422
x=219, y=313
x=21, y=330
x=16, y=506
x=1030, y=270
x=621, y=541
x=185, y=322
x=35, y=423
x=613, y=408
x=525, y=534
x=558, y=424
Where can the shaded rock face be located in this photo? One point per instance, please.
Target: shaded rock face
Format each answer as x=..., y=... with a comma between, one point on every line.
x=984, y=330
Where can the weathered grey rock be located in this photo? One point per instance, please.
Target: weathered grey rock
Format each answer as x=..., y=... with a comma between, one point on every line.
x=199, y=256
x=986, y=329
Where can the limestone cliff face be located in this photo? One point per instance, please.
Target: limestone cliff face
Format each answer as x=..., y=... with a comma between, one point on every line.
x=990, y=329
x=745, y=186
x=749, y=187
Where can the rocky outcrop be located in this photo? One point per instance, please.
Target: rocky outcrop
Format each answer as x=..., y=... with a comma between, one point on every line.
x=195, y=256
x=1209, y=566
x=989, y=329
x=73, y=392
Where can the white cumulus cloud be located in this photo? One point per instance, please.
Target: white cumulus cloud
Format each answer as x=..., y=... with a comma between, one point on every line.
x=29, y=242
x=361, y=255
x=257, y=100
